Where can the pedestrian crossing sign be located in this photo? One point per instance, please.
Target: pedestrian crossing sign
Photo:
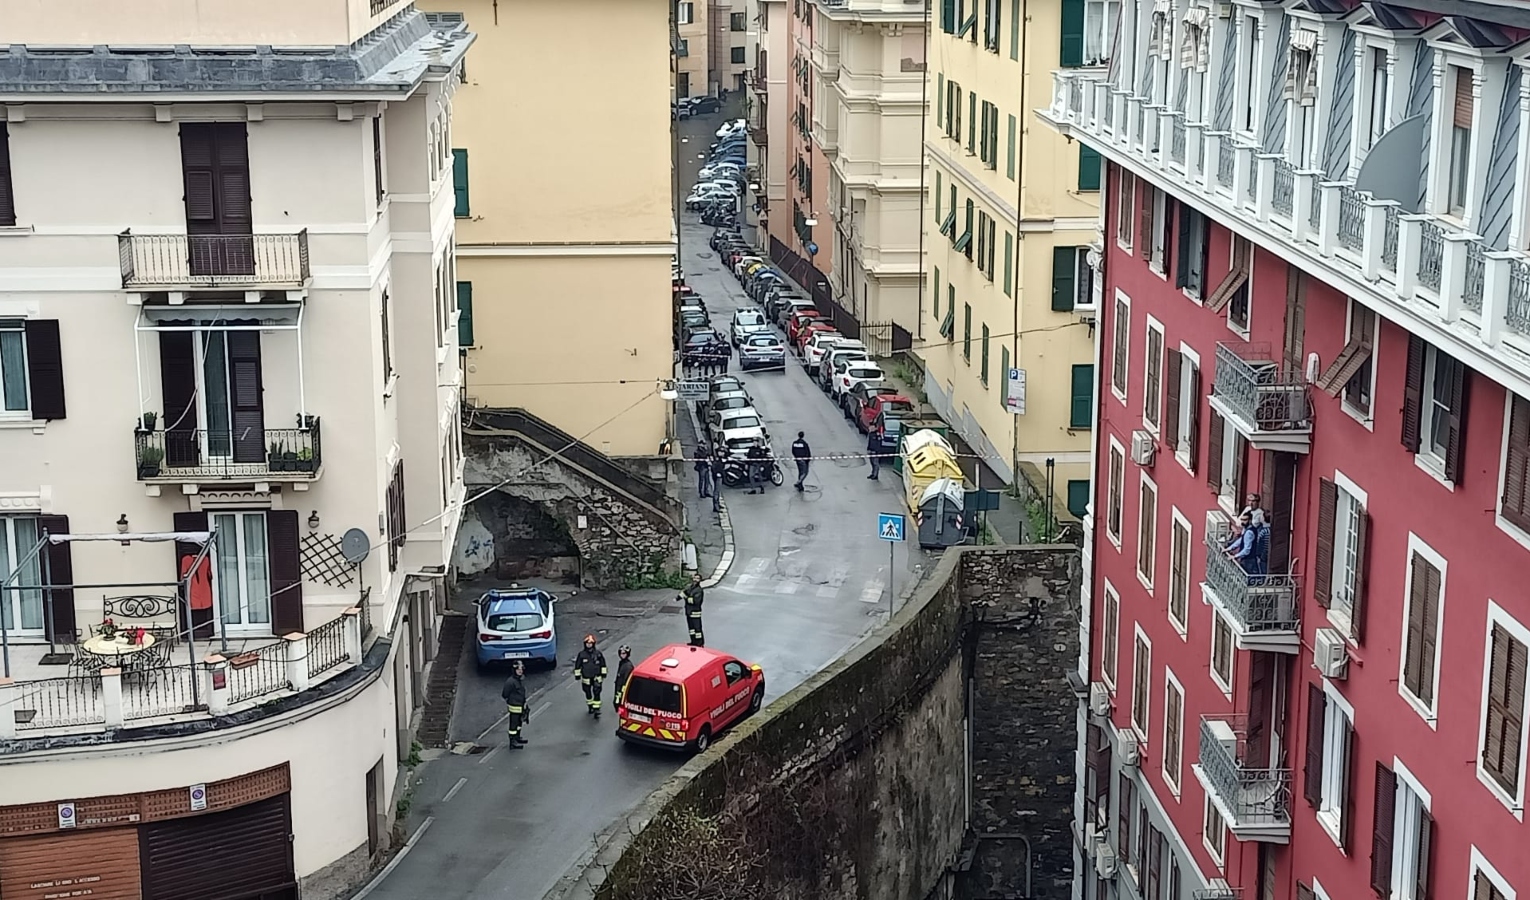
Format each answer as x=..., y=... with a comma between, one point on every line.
x=890, y=526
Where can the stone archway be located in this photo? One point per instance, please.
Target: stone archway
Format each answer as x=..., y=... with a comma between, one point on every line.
x=515, y=539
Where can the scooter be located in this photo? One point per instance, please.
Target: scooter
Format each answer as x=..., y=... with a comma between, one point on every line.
x=736, y=472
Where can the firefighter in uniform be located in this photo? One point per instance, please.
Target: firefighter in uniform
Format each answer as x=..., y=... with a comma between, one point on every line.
x=624, y=669
x=692, y=597
x=514, y=693
x=590, y=668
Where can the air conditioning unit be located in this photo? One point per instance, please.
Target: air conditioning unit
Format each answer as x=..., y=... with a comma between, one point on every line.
x=1131, y=752
x=1105, y=861
x=1329, y=653
x=1092, y=838
x=1144, y=448
x=1099, y=698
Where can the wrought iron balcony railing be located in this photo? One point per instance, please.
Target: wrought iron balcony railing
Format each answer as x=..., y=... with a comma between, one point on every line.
x=1284, y=196
x=178, y=261
x=266, y=454
x=1257, y=603
x=1253, y=795
x=1253, y=387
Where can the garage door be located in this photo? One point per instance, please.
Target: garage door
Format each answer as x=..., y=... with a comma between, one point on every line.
x=101, y=864
x=241, y=854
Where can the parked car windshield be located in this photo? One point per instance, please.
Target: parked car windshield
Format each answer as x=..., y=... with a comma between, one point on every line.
x=764, y=340
x=741, y=422
x=749, y=317
x=514, y=621
x=654, y=694
x=865, y=373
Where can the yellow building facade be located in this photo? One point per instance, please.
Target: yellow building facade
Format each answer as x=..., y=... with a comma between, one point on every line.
x=1009, y=212
x=564, y=214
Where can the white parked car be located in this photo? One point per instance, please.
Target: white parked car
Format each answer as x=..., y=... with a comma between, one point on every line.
x=731, y=426
x=843, y=350
x=732, y=127
x=738, y=267
x=854, y=372
x=745, y=323
x=817, y=346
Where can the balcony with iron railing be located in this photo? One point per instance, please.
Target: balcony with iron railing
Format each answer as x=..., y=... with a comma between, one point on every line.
x=1253, y=797
x=182, y=262
x=1261, y=608
x=1269, y=406
x=1440, y=281
x=241, y=454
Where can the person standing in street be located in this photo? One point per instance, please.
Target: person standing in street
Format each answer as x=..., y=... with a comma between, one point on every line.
x=590, y=668
x=692, y=597
x=703, y=468
x=514, y=695
x=759, y=461
x=802, y=453
x=719, y=465
x=624, y=669
x=874, y=453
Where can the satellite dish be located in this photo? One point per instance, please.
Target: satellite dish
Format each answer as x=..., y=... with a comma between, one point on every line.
x=355, y=545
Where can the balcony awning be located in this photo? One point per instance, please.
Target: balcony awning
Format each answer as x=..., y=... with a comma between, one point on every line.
x=221, y=317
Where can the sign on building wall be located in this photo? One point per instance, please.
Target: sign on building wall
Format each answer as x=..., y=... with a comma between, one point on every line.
x=1014, y=392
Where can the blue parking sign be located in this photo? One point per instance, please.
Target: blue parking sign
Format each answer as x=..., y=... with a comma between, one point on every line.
x=890, y=526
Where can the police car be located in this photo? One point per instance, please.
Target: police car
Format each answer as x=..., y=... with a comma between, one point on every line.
x=516, y=623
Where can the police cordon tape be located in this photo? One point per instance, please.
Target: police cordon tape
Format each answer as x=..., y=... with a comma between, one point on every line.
x=835, y=457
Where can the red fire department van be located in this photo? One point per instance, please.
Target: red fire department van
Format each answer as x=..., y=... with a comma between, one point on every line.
x=682, y=697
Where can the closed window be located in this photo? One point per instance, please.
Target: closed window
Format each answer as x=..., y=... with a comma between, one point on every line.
x=1421, y=627
x=967, y=332
x=1110, y=616
x=1182, y=412
x=1101, y=21
x=1126, y=208
x=1248, y=70
x=1120, y=347
x=1459, y=160
x=243, y=586
x=1515, y=506
x=738, y=21
x=463, y=208
x=14, y=391
x=387, y=339
x=1147, y=531
x=1379, y=88
x=1329, y=766
x=464, y=313
x=7, y=194
x=1173, y=729
x=736, y=55
x=1116, y=473
x=1443, y=404
x=1214, y=831
x=983, y=359
x=1402, y=838
x=1179, y=573
x=1487, y=885
x=1504, y=712
x=21, y=610
x=1340, y=565
x=1152, y=383
x=1221, y=651
x=1142, y=673
x=1081, y=397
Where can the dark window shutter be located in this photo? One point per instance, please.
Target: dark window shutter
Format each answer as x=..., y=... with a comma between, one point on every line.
x=286, y=566
x=201, y=619
x=1124, y=810
x=1483, y=887
x=1460, y=396
x=1071, y=51
x=377, y=157
x=1169, y=246
x=1312, y=773
x=1145, y=217
x=7, y=193
x=1362, y=554
x=1182, y=246
x=1174, y=891
x=1064, y=278
x=1413, y=652
x=1175, y=369
x=45, y=369
x=1424, y=880
x=460, y=182
x=1154, y=864
x=1088, y=168
x=1081, y=401
x=248, y=414
x=465, y=313
x=1347, y=814
x=59, y=601
x=1214, y=454
x=1381, y=831
x=178, y=389
x=1322, y=567
x=1303, y=892
x=1240, y=467
x=1193, y=440
x=1143, y=828
x=1413, y=394
x=199, y=168
x=1516, y=465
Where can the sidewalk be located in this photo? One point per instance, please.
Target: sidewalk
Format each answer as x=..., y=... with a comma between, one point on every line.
x=713, y=541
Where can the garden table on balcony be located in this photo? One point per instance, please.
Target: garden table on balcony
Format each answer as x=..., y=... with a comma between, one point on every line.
x=120, y=651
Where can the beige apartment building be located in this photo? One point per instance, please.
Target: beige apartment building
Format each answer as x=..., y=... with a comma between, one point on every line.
x=868, y=116
x=693, y=42
x=769, y=117
x=1011, y=212
x=564, y=212
x=226, y=325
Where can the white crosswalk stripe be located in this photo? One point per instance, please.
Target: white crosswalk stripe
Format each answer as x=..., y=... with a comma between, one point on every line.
x=872, y=593
x=828, y=591
x=787, y=587
x=757, y=566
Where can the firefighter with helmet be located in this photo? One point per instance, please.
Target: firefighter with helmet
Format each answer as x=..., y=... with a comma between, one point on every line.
x=624, y=669
x=514, y=695
x=590, y=669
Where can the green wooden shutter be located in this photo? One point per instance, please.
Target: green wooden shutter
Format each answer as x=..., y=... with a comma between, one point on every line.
x=972, y=121
x=1014, y=29
x=460, y=181
x=1064, y=259
x=967, y=331
x=984, y=373
x=1082, y=397
x=465, y=313
x=1078, y=497
x=1009, y=265
x=938, y=192
x=948, y=16
x=940, y=97
x=1004, y=378
x=1009, y=160
x=935, y=293
x=1088, y=168
x=1071, y=53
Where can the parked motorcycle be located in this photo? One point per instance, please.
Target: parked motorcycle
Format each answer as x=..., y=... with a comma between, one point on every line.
x=736, y=472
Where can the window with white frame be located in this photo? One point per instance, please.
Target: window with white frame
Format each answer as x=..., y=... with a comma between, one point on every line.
x=1462, y=104
x=1101, y=20
x=1142, y=675
x=1222, y=646
x=1378, y=86
x=1187, y=413
x=1126, y=208
x=243, y=587
x=1423, y=603
x=15, y=395
x=1152, y=380
x=1214, y=832
x=1110, y=629
x=1158, y=256
x=1360, y=344
x=1328, y=753
x=1503, y=708
x=1301, y=93
x=1179, y=572
x=1487, y=884
x=1403, y=836
x=21, y=612
x=1338, y=586
x=1173, y=729
x=1248, y=70
x=1085, y=279
x=1443, y=393
x=1514, y=499
x=1114, y=487
x=1147, y=531
x=685, y=12
x=1121, y=346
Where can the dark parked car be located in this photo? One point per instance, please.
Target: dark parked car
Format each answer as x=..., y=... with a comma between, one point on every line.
x=704, y=343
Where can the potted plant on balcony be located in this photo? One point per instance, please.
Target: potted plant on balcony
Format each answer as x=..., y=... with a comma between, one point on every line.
x=277, y=459
x=306, y=423
x=149, y=459
x=305, y=460
x=146, y=424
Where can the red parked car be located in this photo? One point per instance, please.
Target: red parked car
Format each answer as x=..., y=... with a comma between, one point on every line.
x=866, y=411
x=806, y=332
x=798, y=319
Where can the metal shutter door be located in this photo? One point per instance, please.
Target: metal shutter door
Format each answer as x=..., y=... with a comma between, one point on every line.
x=241, y=854
x=99, y=863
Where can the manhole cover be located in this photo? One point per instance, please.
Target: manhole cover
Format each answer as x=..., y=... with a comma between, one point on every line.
x=805, y=529
x=477, y=749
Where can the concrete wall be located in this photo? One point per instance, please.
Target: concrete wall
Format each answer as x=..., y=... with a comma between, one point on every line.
x=858, y=783
x=291, y=23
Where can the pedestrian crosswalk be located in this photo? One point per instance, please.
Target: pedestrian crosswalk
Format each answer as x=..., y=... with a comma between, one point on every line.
x=787, y=577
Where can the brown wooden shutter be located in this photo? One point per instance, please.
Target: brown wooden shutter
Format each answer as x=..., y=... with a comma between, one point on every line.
x=1516, y=465
x=1124, y=811
x=7, y=193
x=199, y=169
x=1174, y=889
x=1193, y=440
x=1413, y=656
x=1464, y=101
x=1280, y=509
x=178, y=390
x=247, y=415
x=234, y=201
x=1171, y=399
x=1154, y=863
x=1261, y=707
x=201, y=619
x=1381, y=831
x=1425, y=881
x=1322, y=566
x=1296, y=318
x=1147, y=522
x=1145, y=243
x=1413, y=394
x=1214, y=453
x=1358, y=602
x=1240, y=467
x=1456, y=425
x=1303, y=892
x=1348, y=761
x=1143, y=845
x=1497, y=691
x=1312, y=773
x=283, y=546
x=45, y=369
x=59, y=601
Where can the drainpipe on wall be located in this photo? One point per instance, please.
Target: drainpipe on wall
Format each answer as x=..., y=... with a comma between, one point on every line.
x=1014, y=336
x=924, y=115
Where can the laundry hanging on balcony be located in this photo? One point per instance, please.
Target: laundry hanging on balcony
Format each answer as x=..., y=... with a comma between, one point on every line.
x=1301, y=72
x=1195, y=42
x=1160, y=31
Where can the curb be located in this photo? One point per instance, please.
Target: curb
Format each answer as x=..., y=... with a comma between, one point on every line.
x=723, y=519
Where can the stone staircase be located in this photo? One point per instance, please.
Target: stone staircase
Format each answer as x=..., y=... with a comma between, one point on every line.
x=441, y=690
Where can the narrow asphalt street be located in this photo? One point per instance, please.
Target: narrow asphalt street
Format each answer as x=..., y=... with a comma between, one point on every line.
x=810, y=578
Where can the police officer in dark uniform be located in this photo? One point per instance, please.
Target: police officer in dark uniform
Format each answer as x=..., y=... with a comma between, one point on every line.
x=590, y=668
x=692, y=597
x=624, y=669
x=802, y=453
x=759, y=468
x=514, y=694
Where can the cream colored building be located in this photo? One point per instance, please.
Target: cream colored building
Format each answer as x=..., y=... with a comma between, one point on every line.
x=225, y=312
x=1010, y=212
x=693, y=43
x=868, y=111
x=565, y=216
x=769, y=118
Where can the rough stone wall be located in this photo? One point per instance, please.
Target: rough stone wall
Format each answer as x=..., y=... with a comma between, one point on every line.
x=1025, y=627
x=620, y=541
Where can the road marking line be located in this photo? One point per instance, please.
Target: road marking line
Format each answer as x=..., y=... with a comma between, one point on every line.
x=453, y=792
x=872, y=592
x=828, y=591
x=838, y=575
x=393, y=863
x=787, y=587
x=746, y=582
x=757, y=566
x=490, y=755
x=542, y=709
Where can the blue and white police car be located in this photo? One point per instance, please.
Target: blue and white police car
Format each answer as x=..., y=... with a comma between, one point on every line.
x=516, y=623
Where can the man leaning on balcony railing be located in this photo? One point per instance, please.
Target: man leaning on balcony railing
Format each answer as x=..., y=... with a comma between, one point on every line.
x=1249, y=545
